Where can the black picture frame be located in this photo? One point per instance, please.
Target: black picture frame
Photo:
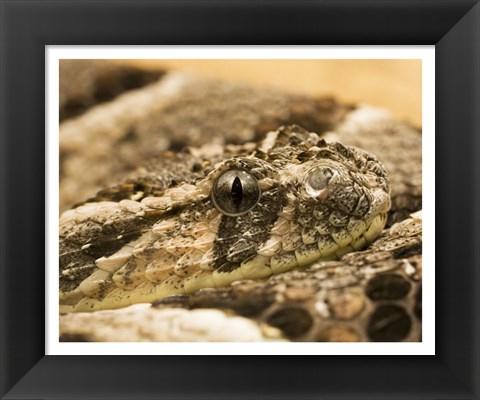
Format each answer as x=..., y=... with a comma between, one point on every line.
x=453, y=26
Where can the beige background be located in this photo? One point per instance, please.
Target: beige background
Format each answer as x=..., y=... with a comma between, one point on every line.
x=394, y=84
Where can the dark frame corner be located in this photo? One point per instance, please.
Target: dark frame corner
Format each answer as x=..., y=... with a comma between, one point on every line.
x=28, y=26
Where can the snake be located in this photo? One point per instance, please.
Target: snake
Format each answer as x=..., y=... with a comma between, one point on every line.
x=295, y=213
x=290, y=202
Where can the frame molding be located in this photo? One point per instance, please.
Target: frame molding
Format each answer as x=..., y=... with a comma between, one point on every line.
x=28, y=26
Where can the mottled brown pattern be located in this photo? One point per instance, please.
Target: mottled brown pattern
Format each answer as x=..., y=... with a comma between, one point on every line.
x=177, y=111
x=369, y=295
x=168, y=238
x=344, y=300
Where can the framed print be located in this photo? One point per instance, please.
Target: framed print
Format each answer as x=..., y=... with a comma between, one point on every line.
x=113, y=72
x=316, y=288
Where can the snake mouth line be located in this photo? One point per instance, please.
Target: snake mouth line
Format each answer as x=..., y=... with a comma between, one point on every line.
x=258, y=267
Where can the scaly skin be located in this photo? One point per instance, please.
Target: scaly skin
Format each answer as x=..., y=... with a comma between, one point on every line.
x=317, y=202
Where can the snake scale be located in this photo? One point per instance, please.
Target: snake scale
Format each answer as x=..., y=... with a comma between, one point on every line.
x=310, y=230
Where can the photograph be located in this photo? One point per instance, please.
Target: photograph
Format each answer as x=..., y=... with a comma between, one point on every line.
x=240, y=200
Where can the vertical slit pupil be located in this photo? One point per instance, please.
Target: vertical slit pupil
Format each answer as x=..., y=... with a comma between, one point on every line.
x=237, y=192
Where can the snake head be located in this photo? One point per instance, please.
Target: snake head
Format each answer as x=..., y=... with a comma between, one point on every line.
x=300, y=198
x=285, y=203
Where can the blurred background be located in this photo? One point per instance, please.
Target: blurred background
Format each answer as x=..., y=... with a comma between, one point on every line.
x=393, y=84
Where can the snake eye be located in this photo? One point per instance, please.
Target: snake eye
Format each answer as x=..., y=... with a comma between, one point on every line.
x=317, y=181
x=235, y=192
